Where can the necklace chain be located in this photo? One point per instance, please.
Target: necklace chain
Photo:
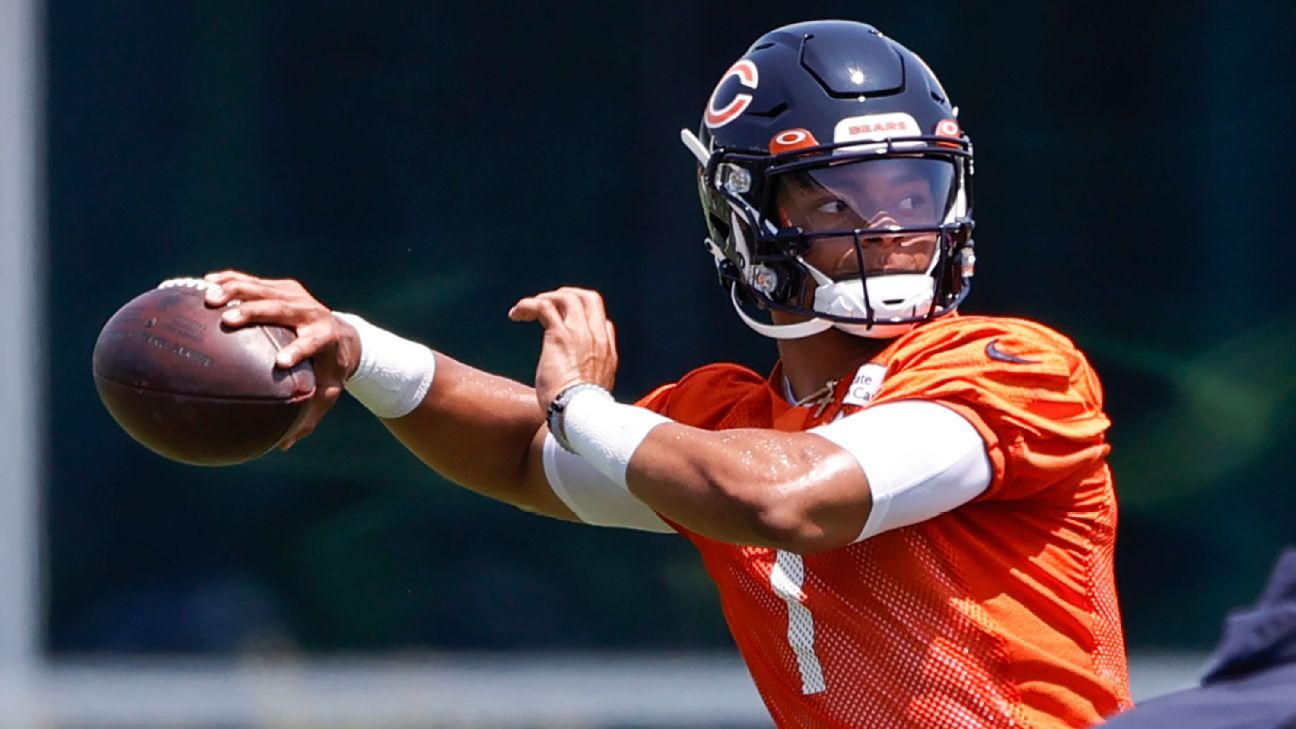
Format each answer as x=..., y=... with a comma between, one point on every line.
x=823, y=397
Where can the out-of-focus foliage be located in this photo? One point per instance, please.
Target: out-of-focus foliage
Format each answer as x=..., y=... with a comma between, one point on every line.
x=426, y=164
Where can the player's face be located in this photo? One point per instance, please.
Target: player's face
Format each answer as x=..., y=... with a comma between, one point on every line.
x=872, y=197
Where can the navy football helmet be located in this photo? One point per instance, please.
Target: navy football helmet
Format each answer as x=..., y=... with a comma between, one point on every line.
x=828, y=133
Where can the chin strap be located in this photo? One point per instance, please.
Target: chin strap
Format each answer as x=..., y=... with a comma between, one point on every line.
x=811, y=327
x=799, y=330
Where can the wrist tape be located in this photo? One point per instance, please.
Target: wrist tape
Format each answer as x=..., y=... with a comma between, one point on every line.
x=394, y=373
x=605, y=432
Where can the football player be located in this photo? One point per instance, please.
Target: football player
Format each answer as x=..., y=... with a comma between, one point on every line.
x=911, y=519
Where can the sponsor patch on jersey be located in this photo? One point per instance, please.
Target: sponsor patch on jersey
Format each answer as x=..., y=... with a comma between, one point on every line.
x=748, y=76
x=792, y=139
x=865, y=385
x=875, y=127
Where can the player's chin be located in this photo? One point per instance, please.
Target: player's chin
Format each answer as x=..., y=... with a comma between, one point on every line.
x=778, y=316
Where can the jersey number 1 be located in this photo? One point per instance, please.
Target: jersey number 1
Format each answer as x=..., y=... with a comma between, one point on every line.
x=786, y=579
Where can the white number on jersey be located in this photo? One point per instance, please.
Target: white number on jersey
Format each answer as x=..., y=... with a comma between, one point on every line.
x=786, y=578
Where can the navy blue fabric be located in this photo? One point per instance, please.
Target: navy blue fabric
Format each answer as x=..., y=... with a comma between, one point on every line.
x=1251, y=681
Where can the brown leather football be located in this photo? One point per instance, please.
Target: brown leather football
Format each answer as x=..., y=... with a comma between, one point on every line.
x=191, y=389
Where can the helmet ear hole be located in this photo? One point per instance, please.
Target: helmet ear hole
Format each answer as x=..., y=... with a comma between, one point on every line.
x=765, y=279
x=783, y=283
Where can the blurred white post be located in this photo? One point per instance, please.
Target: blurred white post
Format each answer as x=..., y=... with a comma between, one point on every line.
x=21, y=276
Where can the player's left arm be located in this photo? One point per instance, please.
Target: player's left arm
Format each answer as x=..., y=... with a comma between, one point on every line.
x=798, y=491
x=793, y=491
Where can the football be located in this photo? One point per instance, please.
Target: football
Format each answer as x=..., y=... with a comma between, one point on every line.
x=191, y=389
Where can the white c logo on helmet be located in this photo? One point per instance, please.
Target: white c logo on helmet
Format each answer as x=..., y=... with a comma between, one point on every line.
x=948, y=128
x=749, y=77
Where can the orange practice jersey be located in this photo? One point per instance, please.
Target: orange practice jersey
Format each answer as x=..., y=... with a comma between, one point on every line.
x=1000, y=613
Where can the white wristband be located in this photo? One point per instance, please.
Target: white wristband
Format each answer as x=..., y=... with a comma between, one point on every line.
x=605, y=432
x=394, y=373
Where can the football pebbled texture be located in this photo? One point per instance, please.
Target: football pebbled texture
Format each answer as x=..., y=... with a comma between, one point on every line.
x=191, y=389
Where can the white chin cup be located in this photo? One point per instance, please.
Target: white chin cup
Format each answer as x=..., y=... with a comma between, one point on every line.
x=890, y=296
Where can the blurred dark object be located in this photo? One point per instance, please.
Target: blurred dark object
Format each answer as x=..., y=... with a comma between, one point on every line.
x=1251, y=682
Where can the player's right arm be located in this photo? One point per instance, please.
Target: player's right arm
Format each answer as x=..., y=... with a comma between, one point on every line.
x=484, y=432
x=480, y=430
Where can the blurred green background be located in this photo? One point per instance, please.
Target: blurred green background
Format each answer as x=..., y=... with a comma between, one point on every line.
x=426, y=164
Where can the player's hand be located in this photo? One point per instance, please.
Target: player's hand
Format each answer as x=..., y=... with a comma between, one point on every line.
x=579, y=340
x=332, y=345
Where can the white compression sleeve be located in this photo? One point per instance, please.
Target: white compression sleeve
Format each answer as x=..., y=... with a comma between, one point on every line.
x=394, y=373
x=921, y=460
x=605, y=432
x=592, y=496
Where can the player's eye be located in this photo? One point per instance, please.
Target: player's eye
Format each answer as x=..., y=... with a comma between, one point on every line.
x=911, y=203
x=833, y=207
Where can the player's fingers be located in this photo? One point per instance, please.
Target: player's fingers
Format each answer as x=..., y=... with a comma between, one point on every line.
x=243, y=290
x=267, y=311
x=589, y=299
x=255, y=285
x=310, y=340
x=572, y=305
x=612, y=341
x=302, y=431
x=569, y=302
x=538, y=308
x=524, y=310
x=229, y=275
x=325, y=398
x=593, y=311
x=320, y=340
x=306, y=427
x=599, y=326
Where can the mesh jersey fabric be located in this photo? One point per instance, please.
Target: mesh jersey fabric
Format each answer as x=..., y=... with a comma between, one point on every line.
x=1000, y=613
